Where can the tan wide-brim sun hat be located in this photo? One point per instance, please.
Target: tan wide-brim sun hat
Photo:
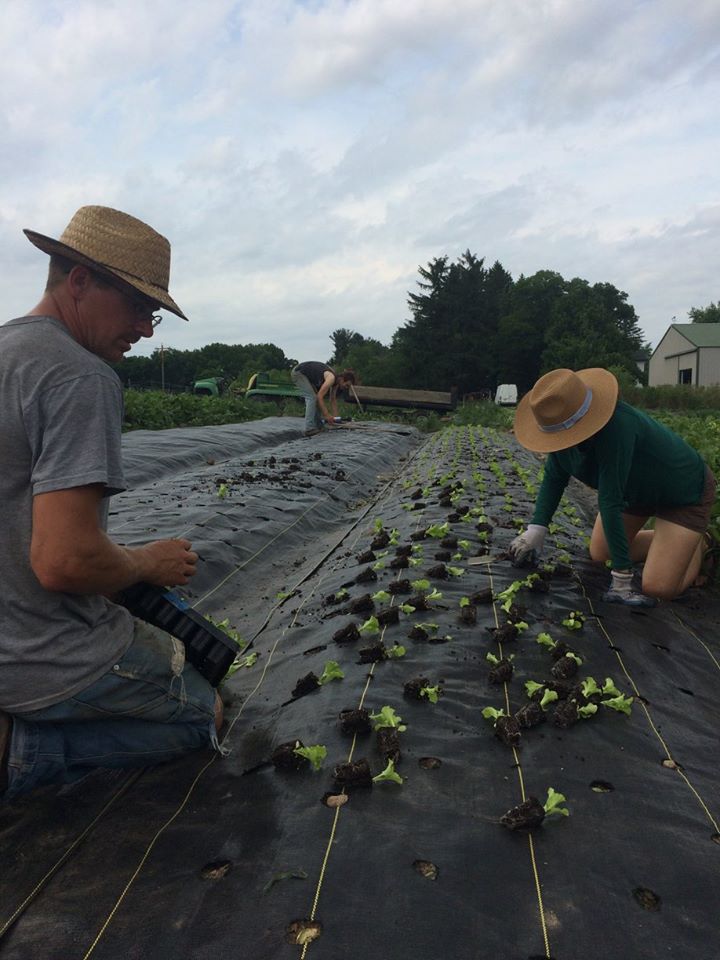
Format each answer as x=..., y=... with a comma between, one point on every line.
x=564, y=408
x=117, y=244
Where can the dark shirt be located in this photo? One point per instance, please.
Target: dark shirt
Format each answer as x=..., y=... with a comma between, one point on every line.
x=633, y=461
x=315, y=372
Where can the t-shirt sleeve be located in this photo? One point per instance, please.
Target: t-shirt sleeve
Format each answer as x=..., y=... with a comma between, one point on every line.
x=74, y=430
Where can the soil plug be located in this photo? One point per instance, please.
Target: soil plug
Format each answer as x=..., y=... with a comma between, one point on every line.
x=482, y=596
x=285, y=756
x=531, y=813
x=372, y=654
x=367, y=557
x=352, y=775
x=400, y=563
x=566, y=667
x=400, y=586
x=440, y=572
x=413, y=687
x=388, y=616
x=348, y=634
x=367, y=575
x=531, y=715
x=388, y=743
x=502, y=669
x=468, y=612
x=361, y=604
x=355, y=721
x=305, y=685
x=566, y=714
x=504, y=634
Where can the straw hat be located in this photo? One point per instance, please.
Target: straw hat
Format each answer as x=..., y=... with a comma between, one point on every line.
x=564, y=408
x=117, y=244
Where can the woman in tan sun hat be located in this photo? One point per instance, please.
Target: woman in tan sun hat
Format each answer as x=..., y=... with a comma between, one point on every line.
x=639, y=467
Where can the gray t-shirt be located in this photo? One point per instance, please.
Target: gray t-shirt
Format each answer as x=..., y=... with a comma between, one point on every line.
x=61, y=411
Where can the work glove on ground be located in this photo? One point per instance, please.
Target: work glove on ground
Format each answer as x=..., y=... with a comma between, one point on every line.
x=525, y=549
x=621, y=591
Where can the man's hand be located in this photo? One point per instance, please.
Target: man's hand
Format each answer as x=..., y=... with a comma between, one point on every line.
x=528, y=546
x=165, y=563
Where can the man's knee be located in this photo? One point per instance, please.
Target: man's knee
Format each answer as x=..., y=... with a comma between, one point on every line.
x=660, y=587
x=598, y=551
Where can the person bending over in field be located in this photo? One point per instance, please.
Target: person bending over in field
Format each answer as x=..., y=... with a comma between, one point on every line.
x=319, y=383
x=82, y=683
x=640, y=469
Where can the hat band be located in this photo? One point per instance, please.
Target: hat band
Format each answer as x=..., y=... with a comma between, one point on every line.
x=571, y=421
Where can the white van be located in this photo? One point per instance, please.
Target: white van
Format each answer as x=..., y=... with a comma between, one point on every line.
x=506, y=395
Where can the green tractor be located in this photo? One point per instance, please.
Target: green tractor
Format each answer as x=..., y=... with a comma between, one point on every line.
x=210, y=387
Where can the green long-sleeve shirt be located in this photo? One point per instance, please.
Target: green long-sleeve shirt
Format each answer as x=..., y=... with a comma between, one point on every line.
x=633, y=460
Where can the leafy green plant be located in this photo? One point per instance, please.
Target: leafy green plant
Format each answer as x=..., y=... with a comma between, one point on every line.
x=407, y=608
x=550, y=696
x=545, y=640
x=490, y=713
x=371, y=626
x=382, y=596
x=621, y=704
x=553, y=804
x=315, y=754
x=387, y=717
x=330, y=672
x=395, y=652
x=432, y=693
x=434, y=595
x=438, y=530
x=455, y=571
x=420, y=585
x=222, y=490
x=609, y=688
x=574, y=620
x=389, y=774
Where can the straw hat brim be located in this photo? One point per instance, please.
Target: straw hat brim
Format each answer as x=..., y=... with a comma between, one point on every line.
x=604, y=388
x=51, y=246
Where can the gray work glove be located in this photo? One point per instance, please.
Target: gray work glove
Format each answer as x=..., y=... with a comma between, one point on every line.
x=525, y=549
x=621, y=591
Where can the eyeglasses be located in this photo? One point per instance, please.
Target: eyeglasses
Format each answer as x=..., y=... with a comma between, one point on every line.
x=143, y=307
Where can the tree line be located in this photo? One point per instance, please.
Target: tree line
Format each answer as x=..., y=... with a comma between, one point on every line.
x=470, y=327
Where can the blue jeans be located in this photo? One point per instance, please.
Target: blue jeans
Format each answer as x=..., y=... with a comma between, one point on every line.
x=313, y=420
x=149, y=707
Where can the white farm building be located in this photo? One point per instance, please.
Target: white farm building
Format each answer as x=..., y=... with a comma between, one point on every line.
x=688, y=353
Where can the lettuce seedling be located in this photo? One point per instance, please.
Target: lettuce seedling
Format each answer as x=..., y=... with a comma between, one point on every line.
x=457, y=557
x=394, y=537
x=382, y=596
x=491, y=658
x=388, y=774
x=380, y=565
x=532, y=687
x=434, y=595
x=429, y=626
x=552, y=804
x=545, y=640
x=432, y=693
x=331, y=671
x=609, y=688
x=420, y=585
x=575, y=657
x=589, y=710
x=464, y=544
x=590, y=688
x=417, y=548
x=414, y=561
x=550, y=696
x=395, y=652
x=371, y=626
x=465, y=601
x=224, y=625
x=455, y=571
x=574, y=620
x=520, y=625
x=222, y=490
x=315, y=754
x=341, y=593
x=387, y=718
x=407, y=608
x=438, y=530
x=377, y=524
x=490, y=713
x=621, y=704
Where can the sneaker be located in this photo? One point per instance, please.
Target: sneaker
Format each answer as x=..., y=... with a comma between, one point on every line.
x=631, y=600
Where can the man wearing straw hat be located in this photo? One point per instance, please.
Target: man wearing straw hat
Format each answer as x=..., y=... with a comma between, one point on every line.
x=639, y=467
x=83, y=684
x=318, y=382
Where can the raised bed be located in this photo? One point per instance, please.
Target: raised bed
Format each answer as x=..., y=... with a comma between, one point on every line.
x=239, y=855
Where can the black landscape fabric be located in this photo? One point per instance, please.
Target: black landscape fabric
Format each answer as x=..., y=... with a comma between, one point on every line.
x=239, y=856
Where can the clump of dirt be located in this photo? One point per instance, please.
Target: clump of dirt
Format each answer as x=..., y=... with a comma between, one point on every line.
x=381, y=539
x=504, y=634
x=530, y=715
x=564, y=668
x=284, y=757
x=468, y=614
x=400, y=563
x=361, y=604
x=440, y=572
x=353, y=775
x=355, y=721
x=367, y=575
x=388, y=616
x=367, y=557
x=525, y=816
x=373, y=654
x=418, y=634
x=400, y=586
x=388, y=744
x=413, y=687
x=501, y=672
x=449, y=543
x=566, y=714
x=305, y=685
x=482, y=596
x=443, y=555
x=507, y=729
x=348, y=634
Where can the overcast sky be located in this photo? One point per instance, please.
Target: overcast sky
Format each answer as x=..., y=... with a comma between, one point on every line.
x=304, y=158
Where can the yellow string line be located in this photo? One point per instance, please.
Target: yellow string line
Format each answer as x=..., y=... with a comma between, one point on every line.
x=666, y=748
x=212, y=760
x=518, y=767
x=132, y=777
x=699, y=639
